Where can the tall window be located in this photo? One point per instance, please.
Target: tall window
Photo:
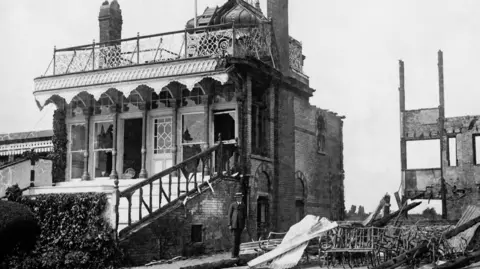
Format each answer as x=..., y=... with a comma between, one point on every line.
x=103, y=145
x=193, y=134
x=260, y=125
x=77, y=150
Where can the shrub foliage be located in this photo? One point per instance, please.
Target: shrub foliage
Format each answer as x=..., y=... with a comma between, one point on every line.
x=18, y=229
x=59, y=140
x=74, y=233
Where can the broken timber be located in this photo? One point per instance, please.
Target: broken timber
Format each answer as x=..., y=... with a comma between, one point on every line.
x=462, y=261
x=423, y=247
x=314, y=232
x=384, y=221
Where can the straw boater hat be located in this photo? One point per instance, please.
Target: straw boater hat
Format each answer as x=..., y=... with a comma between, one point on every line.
x=238, y=194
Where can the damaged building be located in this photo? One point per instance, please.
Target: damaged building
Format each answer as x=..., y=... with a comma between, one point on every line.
x=171, y=125
x=456, y=180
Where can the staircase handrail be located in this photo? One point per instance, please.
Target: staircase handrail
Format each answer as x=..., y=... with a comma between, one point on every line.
x=166, y=172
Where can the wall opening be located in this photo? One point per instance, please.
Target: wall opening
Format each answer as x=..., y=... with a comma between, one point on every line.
x=452, y=151
x=197, y=233
x=423, y=154
x=476, y=149
x=262, y=216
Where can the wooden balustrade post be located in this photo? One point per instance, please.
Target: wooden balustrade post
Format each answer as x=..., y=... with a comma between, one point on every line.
x=143, y=171
x=116, y=200
x=32, y=170
x=174, y=127
x=220, y=154
x=88, y=114
x=114, y=174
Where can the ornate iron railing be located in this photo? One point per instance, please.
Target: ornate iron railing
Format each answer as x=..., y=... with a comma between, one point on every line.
x=296, y=55
x=221, y=40
x=174, y=184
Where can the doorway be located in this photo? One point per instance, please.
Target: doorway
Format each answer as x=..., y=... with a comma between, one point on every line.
x=262, y=217
x=132, y=148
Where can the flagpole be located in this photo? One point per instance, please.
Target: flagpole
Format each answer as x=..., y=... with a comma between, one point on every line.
x=195, y=18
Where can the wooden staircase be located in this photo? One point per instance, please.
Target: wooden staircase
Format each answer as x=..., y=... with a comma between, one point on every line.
x=141, y=204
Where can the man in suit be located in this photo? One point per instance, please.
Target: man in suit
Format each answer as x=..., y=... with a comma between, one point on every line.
x=236, y=222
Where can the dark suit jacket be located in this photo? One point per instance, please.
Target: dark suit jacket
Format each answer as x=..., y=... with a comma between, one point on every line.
x=236, y=215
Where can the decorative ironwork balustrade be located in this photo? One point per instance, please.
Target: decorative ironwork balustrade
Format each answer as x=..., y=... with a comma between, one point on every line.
x=174, y=185
x=221, y=40
x=296, y=55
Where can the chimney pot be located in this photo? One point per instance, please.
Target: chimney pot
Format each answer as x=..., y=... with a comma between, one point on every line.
x=110, y=21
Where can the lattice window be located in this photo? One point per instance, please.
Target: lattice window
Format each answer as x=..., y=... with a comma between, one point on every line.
x=162, y=142
x=163, y=99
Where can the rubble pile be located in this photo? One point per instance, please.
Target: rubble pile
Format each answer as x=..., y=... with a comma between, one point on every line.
x=380, y=242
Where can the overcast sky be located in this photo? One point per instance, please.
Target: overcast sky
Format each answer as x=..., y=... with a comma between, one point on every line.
x=352, y=49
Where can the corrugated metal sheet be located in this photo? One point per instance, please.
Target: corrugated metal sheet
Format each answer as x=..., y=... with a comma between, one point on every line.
x=461, y=241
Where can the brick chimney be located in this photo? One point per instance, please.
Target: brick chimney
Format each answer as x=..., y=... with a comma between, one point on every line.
x=277, y=10
x=110, y=19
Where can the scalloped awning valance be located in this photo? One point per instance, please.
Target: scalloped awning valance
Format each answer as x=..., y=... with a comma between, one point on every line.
x=127, y=80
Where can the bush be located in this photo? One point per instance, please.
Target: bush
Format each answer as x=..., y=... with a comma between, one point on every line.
x=13, y=193
x=74, y=233
x=18, y=229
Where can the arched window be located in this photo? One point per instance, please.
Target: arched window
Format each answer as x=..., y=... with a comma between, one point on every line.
x=102, y=106
x=299, y=199
x=77, y=106
x=163, y=99
x=132, y=103
x=193, y=97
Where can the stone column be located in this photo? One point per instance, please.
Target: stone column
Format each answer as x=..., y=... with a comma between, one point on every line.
x=143, y=171
x=88, y=113
x=114, y=174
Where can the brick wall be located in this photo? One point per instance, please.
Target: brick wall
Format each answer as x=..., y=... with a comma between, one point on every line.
x=278, y=11
x=323, y=171
x=110, y=21
x=170, y=235
x=285, y=176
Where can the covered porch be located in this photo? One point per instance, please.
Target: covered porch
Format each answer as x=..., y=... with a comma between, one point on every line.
x=131, y=130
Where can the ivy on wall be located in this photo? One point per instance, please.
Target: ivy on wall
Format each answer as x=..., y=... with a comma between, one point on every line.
x=59, y=140
x=74, y=233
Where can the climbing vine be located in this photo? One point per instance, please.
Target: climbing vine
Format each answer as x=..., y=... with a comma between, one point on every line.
x=59, y=140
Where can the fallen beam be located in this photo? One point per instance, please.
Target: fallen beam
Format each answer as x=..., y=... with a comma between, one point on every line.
x=386, y=219
x=299, y=239
x=423, y=247
x=462, y=261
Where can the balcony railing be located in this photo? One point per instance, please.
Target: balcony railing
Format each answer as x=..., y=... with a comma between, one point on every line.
x=221, y=40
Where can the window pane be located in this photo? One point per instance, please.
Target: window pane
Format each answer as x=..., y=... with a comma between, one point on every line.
x=103, y=135
x=77, y=164
x=163, y=133
x=224, y=124
x=103, y=163
x=77, y=137
x=193, y=128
